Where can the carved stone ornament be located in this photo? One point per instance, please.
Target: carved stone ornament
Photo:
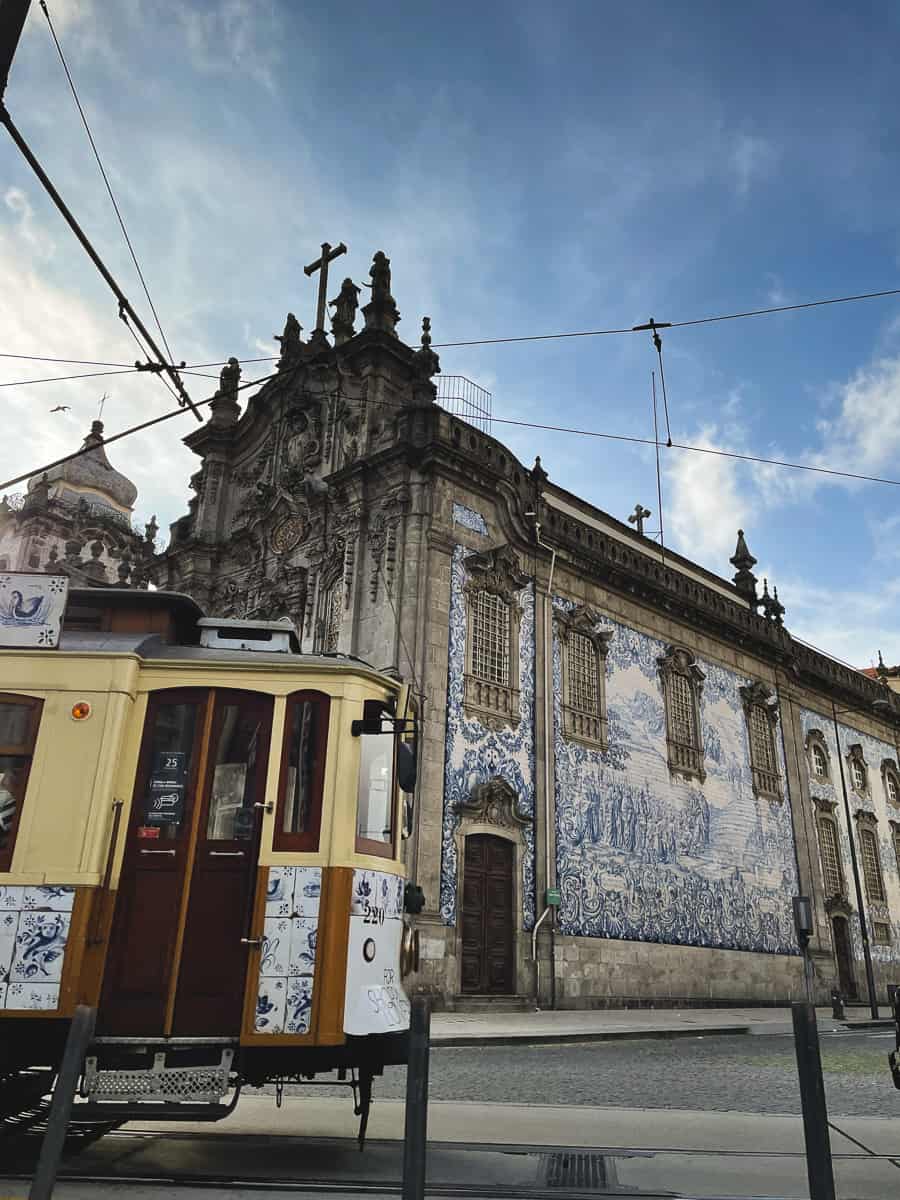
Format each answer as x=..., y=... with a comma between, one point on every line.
x=287, y=534
x=677, y=661
x=758, y=693
x=838, y=906
x=494, y=802
x=496, y=571
x=584, y=620
x=824, y=806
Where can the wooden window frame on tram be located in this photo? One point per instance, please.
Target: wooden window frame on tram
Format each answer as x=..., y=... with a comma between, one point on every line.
x=20, y=750
x=309, y=840
x=379, y=719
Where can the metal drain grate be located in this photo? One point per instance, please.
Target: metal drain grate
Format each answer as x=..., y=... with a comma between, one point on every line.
x=574, y=1170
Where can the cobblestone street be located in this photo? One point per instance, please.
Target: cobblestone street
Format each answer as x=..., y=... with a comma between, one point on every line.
x=744, y=1073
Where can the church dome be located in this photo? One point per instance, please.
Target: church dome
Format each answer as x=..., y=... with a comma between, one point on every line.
x=89, y=476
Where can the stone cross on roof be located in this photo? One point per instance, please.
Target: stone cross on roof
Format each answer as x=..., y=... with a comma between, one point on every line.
x=638, y=517
x=321, y=265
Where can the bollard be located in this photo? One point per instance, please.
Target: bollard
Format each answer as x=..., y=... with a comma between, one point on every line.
x=416, y=1131
x=80, y=1033
x=819, y=1169
x=837, y=1005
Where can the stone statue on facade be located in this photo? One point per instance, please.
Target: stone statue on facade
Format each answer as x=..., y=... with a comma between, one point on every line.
x=345, y=305
x=289, y=340
x=229, y=378
x=381, y=311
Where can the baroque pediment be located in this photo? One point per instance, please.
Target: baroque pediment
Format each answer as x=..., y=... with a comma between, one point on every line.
x=494, y=802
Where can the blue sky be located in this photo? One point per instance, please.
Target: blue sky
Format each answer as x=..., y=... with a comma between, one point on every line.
x=529, y=169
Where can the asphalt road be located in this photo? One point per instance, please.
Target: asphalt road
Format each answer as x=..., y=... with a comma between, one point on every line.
x=741, y=1073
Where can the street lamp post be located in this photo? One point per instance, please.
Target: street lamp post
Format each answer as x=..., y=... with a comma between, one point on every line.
x=863, y=927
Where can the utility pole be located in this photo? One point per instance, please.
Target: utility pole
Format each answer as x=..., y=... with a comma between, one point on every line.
x=13, y=14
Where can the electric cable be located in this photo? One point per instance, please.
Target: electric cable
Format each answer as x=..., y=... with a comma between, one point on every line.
x=109, y=190
x=67, y=378
x=115, y=437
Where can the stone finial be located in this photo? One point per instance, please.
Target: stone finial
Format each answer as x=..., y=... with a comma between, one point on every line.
x=427, y=362
x=881, y=668
x=345, y=305
x=73, y=551
x=381, y=311
x=224, y=408
x=289, y=341
x=743, y=561
x=151, y=529
x=123, y=571
x=777, y=608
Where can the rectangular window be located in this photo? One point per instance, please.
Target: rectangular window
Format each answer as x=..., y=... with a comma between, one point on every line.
x=375, y=797
x=681, y=712
x=871, y=865
x=584, y=681
x=490, y=638
x=162, y=809
x=762, y=752
x=831, y=863
x=881, y=933
x=299, y=815
x=19, y=720
x=241, y=738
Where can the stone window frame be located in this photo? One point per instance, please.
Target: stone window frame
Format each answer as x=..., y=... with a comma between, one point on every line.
x=890, y=773
x=856, y=758
x=872, y=871
x=826, y=815
x=679, y=663
x=498, y=573
x=758, y=696
x=885, y=938
x=895, y=838
x=579, y=724
x=815, y=737
x=331, y=596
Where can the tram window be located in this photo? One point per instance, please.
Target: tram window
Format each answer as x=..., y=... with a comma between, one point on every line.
x=299, y=814
x=375, y=808
x=19, y=718
x=241, y=737
x=171, y=747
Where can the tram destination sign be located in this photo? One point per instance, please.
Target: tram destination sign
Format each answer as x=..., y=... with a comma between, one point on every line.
x=31, y=609
x=164, y=803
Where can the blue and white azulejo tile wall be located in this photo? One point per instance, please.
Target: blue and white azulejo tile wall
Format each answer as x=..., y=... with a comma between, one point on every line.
x=647, y=856
x=475, y=754
x=287, y=960
x=873, y=801
x=34, y=931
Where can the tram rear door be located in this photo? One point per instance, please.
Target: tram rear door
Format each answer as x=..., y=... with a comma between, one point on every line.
x=176, y=964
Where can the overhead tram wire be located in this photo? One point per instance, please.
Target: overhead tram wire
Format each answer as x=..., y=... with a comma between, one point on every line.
x=756, y=312
x=66, y=378
x=113, y=201
x=115, y=437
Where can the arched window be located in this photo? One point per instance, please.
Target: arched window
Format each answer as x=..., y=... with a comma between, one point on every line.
x=858, y=774
x=19, y=720
x=892, y=792
x=831, y=861
x=871, y=863
x=584, y=649
x=682, y=686
x=820, y=762
x=891, y=781
x=493, y=616
x=762, y=715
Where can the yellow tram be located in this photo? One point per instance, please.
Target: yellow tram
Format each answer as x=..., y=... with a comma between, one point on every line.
x=200, y=838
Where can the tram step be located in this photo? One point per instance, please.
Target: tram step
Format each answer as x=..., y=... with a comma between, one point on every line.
x=158, y=1084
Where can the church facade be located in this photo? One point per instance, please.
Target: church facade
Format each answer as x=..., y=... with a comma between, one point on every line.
x=628, y=767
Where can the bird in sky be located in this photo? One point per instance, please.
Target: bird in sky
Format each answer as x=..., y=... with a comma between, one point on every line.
x=61, y=408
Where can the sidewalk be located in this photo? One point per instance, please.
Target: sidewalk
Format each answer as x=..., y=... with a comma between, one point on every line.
x=534, y=1028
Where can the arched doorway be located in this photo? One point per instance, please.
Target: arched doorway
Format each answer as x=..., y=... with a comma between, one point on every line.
x=488, y=967
x=843, y=953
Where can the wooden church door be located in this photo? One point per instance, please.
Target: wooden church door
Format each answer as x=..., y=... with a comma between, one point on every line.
x=487, y=916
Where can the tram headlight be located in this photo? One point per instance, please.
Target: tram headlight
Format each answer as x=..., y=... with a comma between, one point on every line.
x=409, y=951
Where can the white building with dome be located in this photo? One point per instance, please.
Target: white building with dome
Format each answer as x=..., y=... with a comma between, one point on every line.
x=76, y=518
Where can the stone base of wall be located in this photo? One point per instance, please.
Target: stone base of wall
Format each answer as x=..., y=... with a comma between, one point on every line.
x=597, y=973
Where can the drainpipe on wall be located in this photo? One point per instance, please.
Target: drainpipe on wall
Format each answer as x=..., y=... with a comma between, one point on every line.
x=549, y=872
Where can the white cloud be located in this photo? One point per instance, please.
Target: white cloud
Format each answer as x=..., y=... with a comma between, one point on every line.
x=863, y=435
x=752, y=159
x=39, y=242
x=241, y=35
